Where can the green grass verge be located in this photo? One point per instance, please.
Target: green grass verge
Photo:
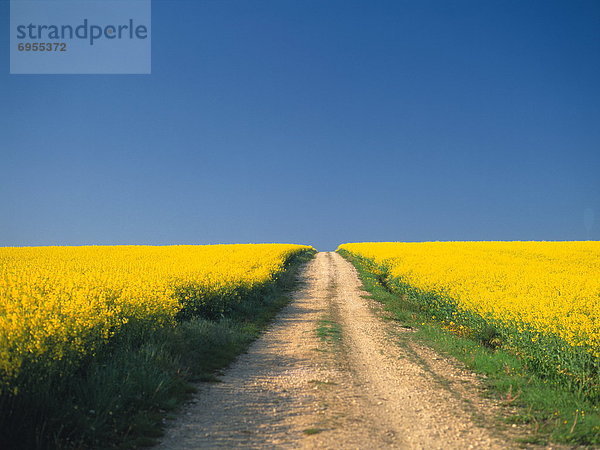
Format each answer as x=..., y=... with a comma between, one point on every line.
x=557, y=411
x=120, y=396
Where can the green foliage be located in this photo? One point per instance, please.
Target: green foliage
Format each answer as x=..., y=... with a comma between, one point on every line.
x=520, y=366
x=329, y=330
x=118, y=397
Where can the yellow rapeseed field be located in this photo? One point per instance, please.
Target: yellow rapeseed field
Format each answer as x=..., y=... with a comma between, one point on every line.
x=60, y=302
x=550, y=287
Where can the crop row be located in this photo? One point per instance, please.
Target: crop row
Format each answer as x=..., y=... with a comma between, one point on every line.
x=540, y=300
x=59, y=305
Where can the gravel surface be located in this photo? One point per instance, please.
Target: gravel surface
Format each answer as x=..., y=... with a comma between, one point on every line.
x=372, y=388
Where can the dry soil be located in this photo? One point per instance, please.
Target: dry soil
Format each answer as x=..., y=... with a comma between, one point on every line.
x=332, y=372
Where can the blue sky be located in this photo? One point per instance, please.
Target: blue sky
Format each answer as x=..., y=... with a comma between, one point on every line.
x=315, y=122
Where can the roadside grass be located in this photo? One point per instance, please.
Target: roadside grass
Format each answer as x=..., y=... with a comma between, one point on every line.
x=554, y=410
x=121, y=396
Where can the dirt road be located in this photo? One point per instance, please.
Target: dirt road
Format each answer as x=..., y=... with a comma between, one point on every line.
x=332, y=373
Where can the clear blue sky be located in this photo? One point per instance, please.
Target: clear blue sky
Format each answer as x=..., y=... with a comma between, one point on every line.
x=315, y=122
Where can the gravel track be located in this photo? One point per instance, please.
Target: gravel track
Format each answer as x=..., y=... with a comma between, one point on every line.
x=372, y=388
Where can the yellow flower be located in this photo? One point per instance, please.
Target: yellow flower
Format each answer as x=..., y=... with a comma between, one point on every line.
x=60, y=302
x=550, y=287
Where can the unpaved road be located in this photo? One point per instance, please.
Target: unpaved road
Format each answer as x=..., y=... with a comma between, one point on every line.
x=360, y=382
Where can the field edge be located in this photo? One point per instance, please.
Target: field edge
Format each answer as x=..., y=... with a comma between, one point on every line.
x=552, y=411
x=123, y=396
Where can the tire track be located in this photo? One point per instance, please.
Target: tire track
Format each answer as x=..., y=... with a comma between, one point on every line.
x=373, y=389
